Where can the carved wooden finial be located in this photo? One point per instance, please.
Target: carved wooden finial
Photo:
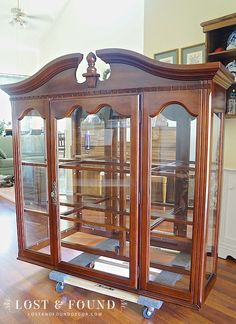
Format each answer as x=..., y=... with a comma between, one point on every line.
x=91, y=75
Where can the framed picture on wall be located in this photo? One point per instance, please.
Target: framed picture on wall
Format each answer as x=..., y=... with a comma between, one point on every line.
x=171, y=56
x=194, y=54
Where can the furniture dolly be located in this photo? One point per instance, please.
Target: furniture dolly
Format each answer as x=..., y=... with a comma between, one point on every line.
x=149, y=304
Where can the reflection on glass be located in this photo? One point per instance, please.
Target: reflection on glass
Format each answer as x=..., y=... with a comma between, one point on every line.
x=214, y=173
x=36, y=227
x=35, y=187
x=32, y=137
x=92, y=187
x=35, y=184
x=94, y=190
x=172, y=196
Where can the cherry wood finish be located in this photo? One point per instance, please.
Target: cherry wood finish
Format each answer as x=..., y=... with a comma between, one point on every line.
x=140, y=89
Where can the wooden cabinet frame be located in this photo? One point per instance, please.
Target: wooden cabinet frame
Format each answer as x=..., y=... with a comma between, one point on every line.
x=141, y=88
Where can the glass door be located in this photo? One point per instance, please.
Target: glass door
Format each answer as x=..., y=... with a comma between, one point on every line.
x=97, y=160
x=34, y=190
x=169, y=210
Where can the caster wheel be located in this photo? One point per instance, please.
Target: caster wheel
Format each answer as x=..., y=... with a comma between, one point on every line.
x=60, y=286
x=117, y=249
x=91, y=265
x=148, y=312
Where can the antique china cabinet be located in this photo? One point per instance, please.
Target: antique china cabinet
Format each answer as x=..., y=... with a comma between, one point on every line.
x=118, y=180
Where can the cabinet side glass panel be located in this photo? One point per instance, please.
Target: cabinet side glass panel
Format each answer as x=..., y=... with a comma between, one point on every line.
x=35, y=182
x=213, y=195
x=94, y=190
x=172, y=196
x=32, y=139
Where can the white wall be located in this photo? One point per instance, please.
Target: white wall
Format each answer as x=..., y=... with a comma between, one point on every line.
x=90, y=25
x=15, y=60
x=229, y=144
x=18, y=61
x=82, y=26
x=171, y=24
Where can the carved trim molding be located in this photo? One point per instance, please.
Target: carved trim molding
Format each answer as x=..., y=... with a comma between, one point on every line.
x=114, y=92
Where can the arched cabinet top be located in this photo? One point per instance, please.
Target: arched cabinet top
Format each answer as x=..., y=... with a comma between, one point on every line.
x=44, y=75
x=192, y=72
x=130, y=72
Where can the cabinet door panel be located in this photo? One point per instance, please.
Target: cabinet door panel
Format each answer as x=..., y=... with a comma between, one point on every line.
x=34, y=189
x=97, y=158
x=169, y=206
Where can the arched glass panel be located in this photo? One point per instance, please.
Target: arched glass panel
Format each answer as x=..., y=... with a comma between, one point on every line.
x=172, y=196
x=32, y=131
x=94, y=190
x=35, y=182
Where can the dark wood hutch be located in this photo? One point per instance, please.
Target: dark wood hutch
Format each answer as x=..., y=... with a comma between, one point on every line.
x=217, y=33
x=118, y=181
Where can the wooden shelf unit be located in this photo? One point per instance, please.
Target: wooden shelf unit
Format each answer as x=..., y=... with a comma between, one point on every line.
x=217, y=32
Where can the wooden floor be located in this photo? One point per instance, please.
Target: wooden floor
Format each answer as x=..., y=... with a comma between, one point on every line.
x=20, y=282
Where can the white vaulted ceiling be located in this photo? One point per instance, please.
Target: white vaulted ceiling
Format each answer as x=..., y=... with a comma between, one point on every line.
x=43, y=12
x=70, y=26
